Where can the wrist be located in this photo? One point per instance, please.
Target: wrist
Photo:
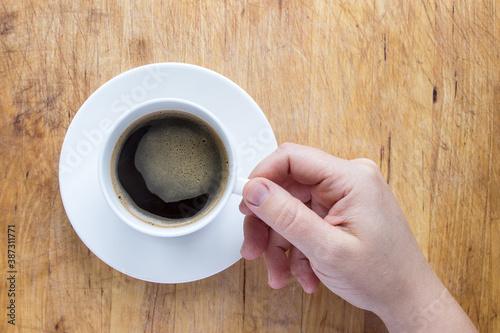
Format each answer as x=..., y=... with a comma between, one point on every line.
x=419, y=290
x=442, y=315
x=428, y=308
x=421, y=319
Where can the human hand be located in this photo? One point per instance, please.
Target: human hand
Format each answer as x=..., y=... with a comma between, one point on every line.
x=341, y=225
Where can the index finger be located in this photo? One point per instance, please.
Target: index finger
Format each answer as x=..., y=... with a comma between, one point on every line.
x=305, y=164
x=327, y=175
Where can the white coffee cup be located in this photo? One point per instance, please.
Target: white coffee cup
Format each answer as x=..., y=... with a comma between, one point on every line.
x=234, y=184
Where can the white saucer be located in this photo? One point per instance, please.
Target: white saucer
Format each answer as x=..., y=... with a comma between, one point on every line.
x=156, y=259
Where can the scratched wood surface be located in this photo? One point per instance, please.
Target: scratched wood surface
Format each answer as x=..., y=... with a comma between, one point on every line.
x=414, y=86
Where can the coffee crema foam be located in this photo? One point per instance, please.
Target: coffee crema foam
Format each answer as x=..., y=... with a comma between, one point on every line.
x=169, y=168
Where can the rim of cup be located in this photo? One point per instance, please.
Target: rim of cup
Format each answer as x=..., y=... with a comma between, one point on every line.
x=106, y=151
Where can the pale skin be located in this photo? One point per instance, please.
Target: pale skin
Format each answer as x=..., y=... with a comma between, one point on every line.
x=334, y=221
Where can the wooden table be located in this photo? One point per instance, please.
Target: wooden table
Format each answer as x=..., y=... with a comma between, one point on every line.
x=415, y=86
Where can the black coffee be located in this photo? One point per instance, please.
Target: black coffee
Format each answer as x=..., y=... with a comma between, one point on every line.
x=169, y=167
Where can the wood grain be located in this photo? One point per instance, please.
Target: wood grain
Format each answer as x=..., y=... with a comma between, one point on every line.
x=412, y=85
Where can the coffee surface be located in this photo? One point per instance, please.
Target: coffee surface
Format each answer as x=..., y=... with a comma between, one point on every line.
x=172, y=165
x=178, y=159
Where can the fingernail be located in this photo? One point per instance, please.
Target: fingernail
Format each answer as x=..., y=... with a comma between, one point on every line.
x=268, y=277
x=257, y=194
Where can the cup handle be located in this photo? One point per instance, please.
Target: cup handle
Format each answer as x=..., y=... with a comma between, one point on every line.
x=238, y=187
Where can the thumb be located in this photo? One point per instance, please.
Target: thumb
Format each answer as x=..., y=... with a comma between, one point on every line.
x=287, y=215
